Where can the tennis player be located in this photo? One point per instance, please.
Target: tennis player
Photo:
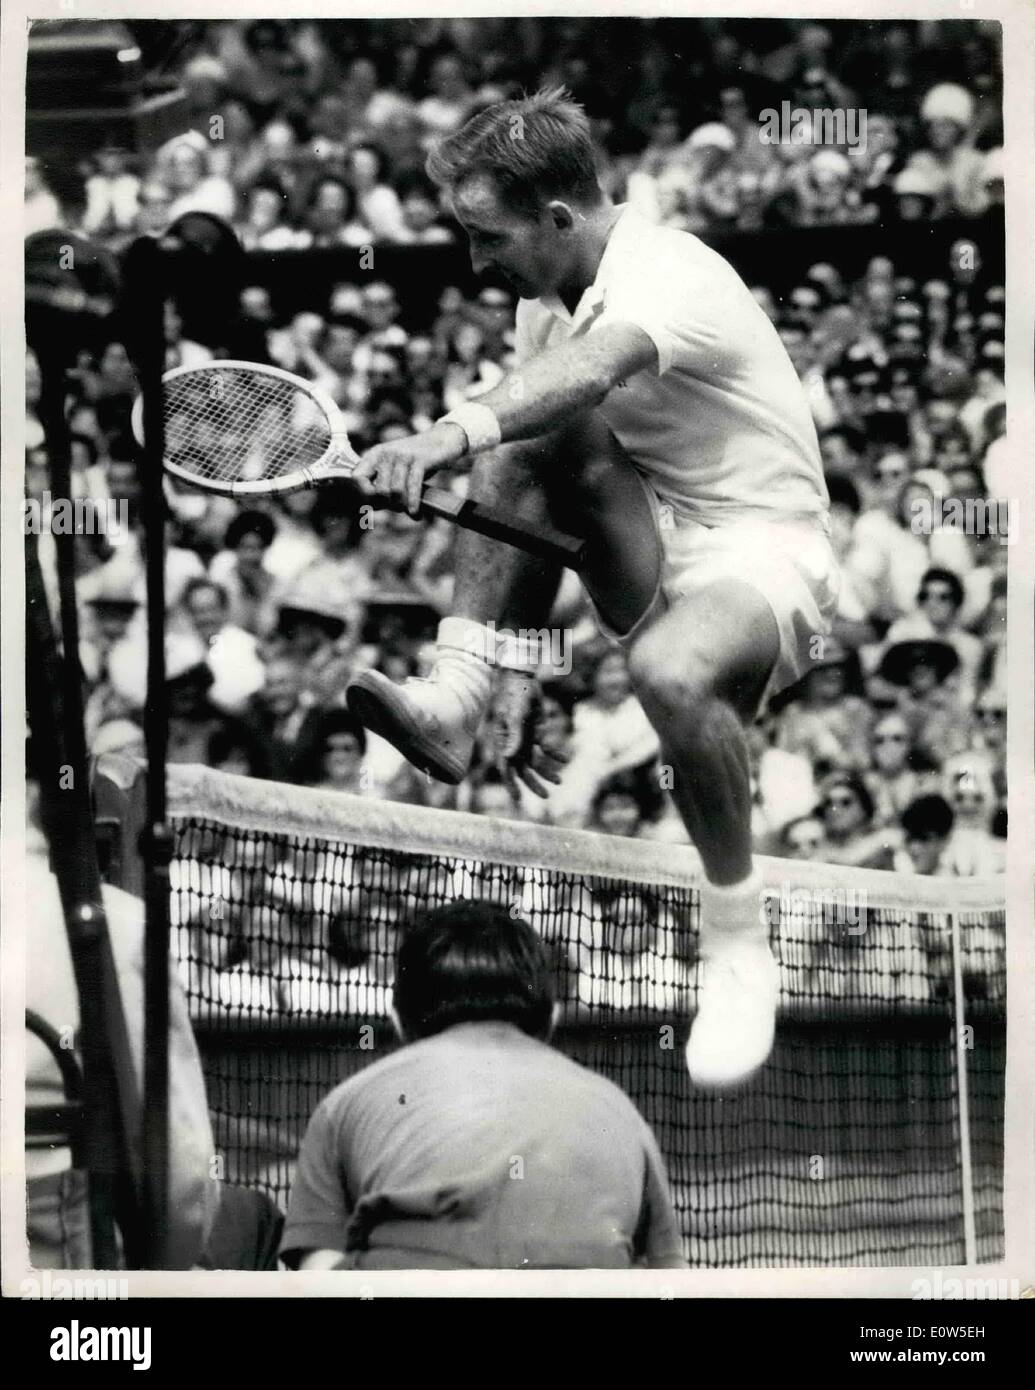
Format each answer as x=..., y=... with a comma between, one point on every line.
x=477, y=1145
x=655, y=412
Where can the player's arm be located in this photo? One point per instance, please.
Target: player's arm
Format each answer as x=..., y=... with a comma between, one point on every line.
x=545, y=391
x=536, y=397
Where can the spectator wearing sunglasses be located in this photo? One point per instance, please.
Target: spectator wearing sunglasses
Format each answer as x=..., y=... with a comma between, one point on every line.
x=847, y=812
x=936, y=617
x=900, y=773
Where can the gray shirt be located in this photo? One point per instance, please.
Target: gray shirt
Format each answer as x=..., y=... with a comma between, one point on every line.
x=481, y=1148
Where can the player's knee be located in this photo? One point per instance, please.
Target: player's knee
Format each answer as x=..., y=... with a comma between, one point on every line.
x=671, y=683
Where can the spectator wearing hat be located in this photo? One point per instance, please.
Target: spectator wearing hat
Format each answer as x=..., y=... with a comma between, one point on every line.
x=939, y=600
x=826, y=196
x=920, y=668
x=851, y=837
x=955, y=169
x=240, y=569
x=915, y=194
x=313, y=631
x=822, y=720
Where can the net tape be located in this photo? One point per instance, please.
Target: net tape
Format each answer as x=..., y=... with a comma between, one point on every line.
x=234, y=424
x=845, y=1149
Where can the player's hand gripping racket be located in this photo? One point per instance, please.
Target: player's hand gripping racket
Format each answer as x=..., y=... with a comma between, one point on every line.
x=240, y=429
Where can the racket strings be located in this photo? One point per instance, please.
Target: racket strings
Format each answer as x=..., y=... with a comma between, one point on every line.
x=237, y=425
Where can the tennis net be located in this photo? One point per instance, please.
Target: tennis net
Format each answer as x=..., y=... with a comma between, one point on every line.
x=849, y=1148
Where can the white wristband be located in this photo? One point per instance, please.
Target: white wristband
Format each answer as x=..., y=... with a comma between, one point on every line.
x=478, y=422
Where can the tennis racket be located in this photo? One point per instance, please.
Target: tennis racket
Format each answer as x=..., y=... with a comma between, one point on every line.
x=241, y=430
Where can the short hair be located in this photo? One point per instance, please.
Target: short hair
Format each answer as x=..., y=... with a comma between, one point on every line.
x=250, y=524
x=942, y=576
x=535, y=148
x=927, y=816
x=472, y=962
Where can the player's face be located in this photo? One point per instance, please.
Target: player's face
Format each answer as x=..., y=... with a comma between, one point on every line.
x=530, y=254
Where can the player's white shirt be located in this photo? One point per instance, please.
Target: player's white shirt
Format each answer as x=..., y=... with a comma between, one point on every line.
x=721, y=426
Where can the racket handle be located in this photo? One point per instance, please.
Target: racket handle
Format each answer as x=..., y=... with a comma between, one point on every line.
x=541, y=540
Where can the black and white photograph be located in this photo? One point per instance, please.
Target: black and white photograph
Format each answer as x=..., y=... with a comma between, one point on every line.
x=525, y=779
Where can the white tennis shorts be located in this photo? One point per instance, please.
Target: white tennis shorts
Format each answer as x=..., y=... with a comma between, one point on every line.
x=790, y=562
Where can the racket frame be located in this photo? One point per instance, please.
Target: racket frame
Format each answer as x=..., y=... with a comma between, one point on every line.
x=332, y=463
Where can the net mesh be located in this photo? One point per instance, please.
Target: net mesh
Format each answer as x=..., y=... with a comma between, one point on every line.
x=846, y=1148
x=240, y=424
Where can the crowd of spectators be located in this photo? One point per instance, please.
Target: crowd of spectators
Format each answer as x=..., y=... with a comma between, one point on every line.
x=314, y=133
x=889, y=754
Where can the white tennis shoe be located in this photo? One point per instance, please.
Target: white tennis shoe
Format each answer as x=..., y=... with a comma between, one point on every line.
x=433, y=720
x=732, y=1035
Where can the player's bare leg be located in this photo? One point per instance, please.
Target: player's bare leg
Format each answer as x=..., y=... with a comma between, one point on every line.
x=578, y=479
x=700, y=671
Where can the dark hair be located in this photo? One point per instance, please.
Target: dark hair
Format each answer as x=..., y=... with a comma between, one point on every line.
x=854, y=783
x=553, y=158
x=941, y=576
x=250, y=524
x=309, y=757
x=844, y=492
x=636, y=783
x=927, y=815
x=472, y=962
x=331, y=504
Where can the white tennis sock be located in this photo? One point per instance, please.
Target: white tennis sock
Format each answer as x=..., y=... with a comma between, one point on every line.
x=465, y=657
x=733, y=910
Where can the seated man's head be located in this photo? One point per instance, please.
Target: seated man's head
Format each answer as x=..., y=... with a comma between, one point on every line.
x=472, y=962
